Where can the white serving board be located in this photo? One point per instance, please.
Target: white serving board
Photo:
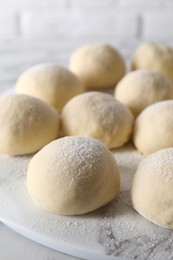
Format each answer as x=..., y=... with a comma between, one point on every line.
x=113, y=231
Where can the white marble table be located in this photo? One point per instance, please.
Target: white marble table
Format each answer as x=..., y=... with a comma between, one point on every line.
x=14, y=247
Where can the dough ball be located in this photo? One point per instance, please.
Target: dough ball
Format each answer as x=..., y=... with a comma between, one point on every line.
x=152, y=188
x=27, y=124
x=97, y=65
x=141, y=88
x=154, y=127
x=51, y=83
x=73, y=175
x=155, y=57
x=98, y=115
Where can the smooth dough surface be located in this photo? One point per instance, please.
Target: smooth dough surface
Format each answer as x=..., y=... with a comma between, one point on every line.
x=73, y=175
x=51, y=83
x=152, y=188
x=27, y=124
x=97, y=65
x=141, y=88
x=154, y=127
x=98, y=115
x=155, y=57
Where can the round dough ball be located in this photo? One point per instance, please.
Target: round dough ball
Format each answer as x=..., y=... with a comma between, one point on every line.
x=97, y=65
x=152, y=188
x=155, y=57
x=141, y=88
x=27, y=124
x=51, y=83
x=98, y=115
x=73, y=175
x=154, y=127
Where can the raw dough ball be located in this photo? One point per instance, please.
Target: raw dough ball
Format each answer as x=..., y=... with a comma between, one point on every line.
x=73, y=175
x=98, y=115
x=155, y=57
x=27, y=124
x=154, y=127
x=98, y=65
x=51, y=83
x=152, y=189
x=141, y=88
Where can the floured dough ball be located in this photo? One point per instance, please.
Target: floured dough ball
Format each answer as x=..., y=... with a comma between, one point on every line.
x=141, y=88
x=97, y=65
x=154, y=127
x=51, y=83
x=98, y=115
x=155, y=57
x=27, y=124
x=73, y=175
x=152, y=188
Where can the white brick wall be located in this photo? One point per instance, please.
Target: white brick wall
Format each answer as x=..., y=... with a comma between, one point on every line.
x=9, y=25
x=21, y=4
x=80, y=23
x=130, y=19
x=127, y=19
x=158, y=26
x=33, y=31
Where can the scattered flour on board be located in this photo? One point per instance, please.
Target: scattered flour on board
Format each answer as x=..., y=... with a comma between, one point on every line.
x=115, y=229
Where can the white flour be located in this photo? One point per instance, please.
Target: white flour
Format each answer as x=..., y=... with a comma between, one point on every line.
x=115, y=229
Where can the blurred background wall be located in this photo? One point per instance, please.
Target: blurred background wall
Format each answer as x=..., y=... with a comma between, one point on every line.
x=34, y=31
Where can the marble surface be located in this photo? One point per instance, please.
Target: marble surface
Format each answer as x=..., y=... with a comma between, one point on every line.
x=113, y=231
x=13, y=246
x=89, y=236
